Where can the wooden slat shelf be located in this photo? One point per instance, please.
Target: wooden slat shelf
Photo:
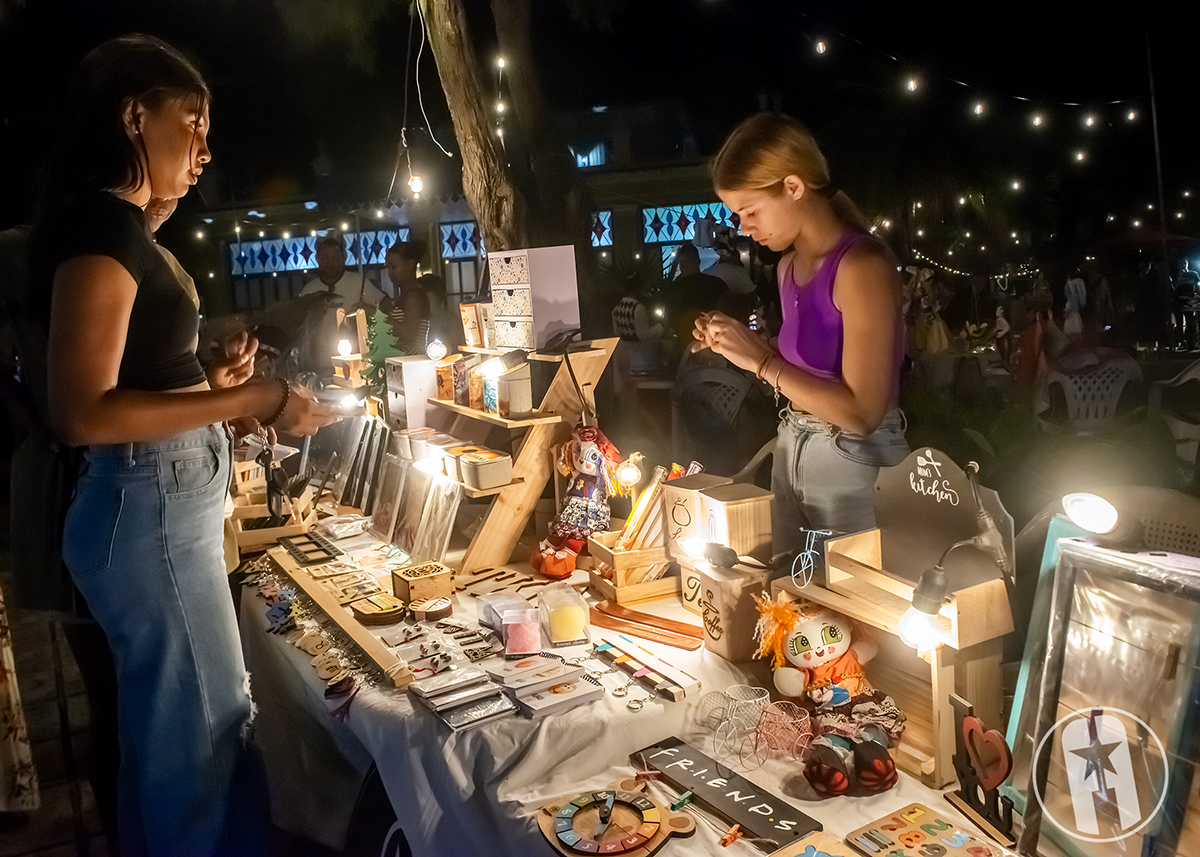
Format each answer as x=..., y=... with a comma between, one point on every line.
x=533, y=355
x=537, y=419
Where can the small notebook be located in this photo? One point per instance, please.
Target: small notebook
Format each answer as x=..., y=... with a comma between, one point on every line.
x=559, y=698
x=478, y=713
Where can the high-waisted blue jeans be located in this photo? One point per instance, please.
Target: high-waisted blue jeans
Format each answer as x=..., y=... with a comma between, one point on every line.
x=823, y=478
x=143, y=541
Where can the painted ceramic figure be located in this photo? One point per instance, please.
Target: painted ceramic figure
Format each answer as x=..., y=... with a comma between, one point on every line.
x=818, y=656
x=589, y=462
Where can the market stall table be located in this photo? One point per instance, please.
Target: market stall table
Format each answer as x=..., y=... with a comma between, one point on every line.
x=479, y=791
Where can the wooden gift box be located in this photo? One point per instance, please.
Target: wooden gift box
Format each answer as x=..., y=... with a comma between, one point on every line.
x=737, y=515
x=250, y=506
x=681, y=506
x=727, y=608
x=422, y=580
x=628, y=567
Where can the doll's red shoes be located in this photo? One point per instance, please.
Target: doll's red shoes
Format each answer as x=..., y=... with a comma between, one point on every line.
x=874, y=771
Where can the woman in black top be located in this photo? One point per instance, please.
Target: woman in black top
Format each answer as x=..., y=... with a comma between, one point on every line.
x=143, y=534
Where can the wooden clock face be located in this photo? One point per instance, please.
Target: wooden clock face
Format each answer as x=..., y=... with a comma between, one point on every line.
x=632, y=822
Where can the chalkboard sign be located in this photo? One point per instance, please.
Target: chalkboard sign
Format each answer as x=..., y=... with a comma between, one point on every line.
x=760, y=814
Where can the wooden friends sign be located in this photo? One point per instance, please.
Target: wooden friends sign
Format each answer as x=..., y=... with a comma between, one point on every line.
x=918, y=831
x=759, y=813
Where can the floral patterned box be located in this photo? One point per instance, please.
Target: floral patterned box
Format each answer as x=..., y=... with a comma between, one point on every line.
x=509, y=302
x=508, y=269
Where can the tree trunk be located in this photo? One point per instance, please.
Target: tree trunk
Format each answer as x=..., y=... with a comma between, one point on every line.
x=563, y=211
x=498, y=205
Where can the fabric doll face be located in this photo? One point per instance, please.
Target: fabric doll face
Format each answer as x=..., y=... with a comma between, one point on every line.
x=589, y=459
x=818, y=639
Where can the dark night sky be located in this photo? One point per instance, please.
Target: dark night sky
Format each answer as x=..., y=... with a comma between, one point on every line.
x=277, y=101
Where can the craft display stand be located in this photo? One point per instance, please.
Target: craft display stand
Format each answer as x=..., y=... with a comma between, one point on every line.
x=533, y=461
x=392, y=666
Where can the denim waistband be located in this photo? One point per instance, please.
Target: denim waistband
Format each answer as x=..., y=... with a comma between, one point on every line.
x=802, y=421
x=190, y=439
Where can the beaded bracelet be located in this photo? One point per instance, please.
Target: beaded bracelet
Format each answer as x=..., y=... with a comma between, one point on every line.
x=287, y=395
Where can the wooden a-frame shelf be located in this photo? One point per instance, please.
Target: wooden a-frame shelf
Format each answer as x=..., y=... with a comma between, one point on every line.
x=533, y=461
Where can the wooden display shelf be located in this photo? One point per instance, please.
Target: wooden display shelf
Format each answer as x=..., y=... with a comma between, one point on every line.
x=486, y=492
x=537, y=419
x=532, y=355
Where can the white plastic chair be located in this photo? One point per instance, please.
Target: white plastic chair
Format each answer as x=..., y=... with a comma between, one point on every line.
x=1091, y=381
x=1185, y=431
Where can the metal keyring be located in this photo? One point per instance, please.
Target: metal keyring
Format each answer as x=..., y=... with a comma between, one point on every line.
x=635, y=704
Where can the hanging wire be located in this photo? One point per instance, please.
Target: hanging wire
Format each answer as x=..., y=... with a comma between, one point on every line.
x=417, y=78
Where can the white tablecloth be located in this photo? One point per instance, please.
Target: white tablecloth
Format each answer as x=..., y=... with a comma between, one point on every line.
x=478, y=792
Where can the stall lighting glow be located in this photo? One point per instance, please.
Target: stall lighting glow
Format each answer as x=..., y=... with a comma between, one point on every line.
x=350, y=401
x=821, y=47
x=313, y=233
x=887, y=224
x=238, y=230
x=379, y=212
x=492, y=368
x=344, y=348
x=430, y=466
x=499, y=106
x=287, y=235
x=968, y=234
x=1179, y=215
x=345, y=226
x=416, y=184
x=500, y=62
x=918, y=630
x=629, y=473
x=978, y=108
x=1014, y=235
x=211, y=275
x=436, y=350
x=918, y=626
x=199, y=234
x=262, y=234
x=962, y=200
x=1186, y=194
x=1016, y=185
x=912, y=84
x=1137, y=223
x=920, y=233
x=918, y=205
x=1094, y=514
x=1079, y=156
x=1090, y=121
x=1131, y=115
x=1037, y=120
x=658, y=311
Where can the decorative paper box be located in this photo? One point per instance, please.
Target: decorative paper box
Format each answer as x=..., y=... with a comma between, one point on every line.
x=485, y=470
x=515, y=393
x=411, y=382
x=536, y=295
x=472, y=329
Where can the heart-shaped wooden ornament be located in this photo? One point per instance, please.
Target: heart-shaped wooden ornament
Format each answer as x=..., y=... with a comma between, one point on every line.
x=989, y=754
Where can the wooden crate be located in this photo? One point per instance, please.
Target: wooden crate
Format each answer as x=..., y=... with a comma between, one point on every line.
x=681, y=506
x=628, y=566
x=737, y=515
x=302, y=519
x=248, y=476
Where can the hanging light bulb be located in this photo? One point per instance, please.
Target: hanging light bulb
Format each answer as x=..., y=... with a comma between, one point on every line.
x=920, y=233
x=499, y=106
x=313, y=233
x=344, y=348
x=918, y=626
x=262, y=234
x=1016, y=185
x=500, y=62
x=416, y=184
x=1079, y=155
x=821, y=47
x=345, y=227
x=1131, y=115
x=199, y=234
x=630, y=473
x=962, y=200
x=912, y=84
x=1090, y=121
x=379, y=212
x=287, y=235
x=1037, y=120
x=978, y=108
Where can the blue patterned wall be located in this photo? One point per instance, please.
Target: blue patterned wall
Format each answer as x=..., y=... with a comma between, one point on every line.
x=678, y=222
x=273, y=255
x=461, y=240
x=602, y=229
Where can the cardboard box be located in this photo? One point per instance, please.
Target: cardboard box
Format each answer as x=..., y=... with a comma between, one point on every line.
x=728, y=611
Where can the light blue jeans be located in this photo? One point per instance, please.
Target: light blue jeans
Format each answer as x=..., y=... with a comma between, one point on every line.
x=143, y=541
x=823, y=478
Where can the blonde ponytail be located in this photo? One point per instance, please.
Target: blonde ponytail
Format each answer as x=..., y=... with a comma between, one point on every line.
x=766, y=148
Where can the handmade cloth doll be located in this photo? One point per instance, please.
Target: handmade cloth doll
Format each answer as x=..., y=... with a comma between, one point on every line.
x=816, y=656
x=589, y=461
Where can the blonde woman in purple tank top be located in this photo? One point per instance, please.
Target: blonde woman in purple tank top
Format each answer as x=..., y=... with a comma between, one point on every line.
x=837, y=360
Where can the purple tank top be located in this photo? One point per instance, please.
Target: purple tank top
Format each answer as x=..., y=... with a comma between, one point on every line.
x=811, y=336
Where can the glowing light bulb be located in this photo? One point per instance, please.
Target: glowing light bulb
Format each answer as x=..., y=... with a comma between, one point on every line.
x=1079, y=156
x=919, y=630
x=968, y=234
x=982, y=248
x=436, y=350
x=199, y=234
x=500, y=62
x=918, y=205
x=1014, y=235
x=262, y=234
x=416, y=184
x=344, y=348
x=920, y=233
x=962, y=200
x=1150, y=206
x=313, y=233
x=912, y=84
x=1090, y=121
x=821, y=47
x=350, y=401
x=379, y=212
x=887, y=224
x=694, y=546
x=1016, y=185
x=658, y=311
x=287, y=235
x=629, y=473
x=1186, y=194
x=1137, y=223
x=499, y=106
x=1179, y=215
x=1094, y=514
x=637, y=255
x=978, y=108
x=1037, y=120
x=238, y=230
x=211, y=275
x=1131, y=115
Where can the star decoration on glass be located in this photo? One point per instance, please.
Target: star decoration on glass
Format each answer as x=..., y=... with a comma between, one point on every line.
x=1096, y=755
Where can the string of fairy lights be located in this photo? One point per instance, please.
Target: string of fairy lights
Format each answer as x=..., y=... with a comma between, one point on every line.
x=1042, y=114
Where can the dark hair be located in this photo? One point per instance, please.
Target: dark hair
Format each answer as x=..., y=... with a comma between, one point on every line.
x=93, y=152
x=687, y=248
x=329, y=242
x=413, y=250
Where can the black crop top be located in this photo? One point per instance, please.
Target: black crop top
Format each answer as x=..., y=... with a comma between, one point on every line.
x=163, y=323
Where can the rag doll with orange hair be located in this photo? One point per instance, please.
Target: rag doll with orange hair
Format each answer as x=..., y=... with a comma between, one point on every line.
x=818, y=656
x=590, y=462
